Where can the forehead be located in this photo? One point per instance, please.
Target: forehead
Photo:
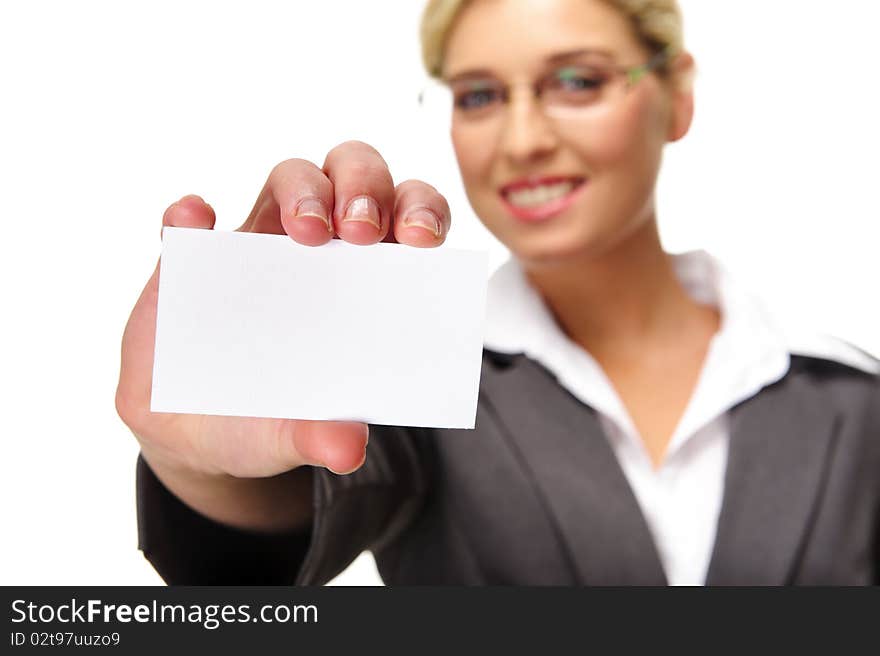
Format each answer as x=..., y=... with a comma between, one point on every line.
x=513, y=36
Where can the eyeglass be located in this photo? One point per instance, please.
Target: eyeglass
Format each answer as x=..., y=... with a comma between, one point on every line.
x=572, y=91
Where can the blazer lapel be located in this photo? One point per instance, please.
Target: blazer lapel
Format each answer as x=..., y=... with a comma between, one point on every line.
x=780, y=444
x=576, y=475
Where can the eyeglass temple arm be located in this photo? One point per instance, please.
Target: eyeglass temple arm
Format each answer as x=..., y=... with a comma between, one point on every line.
x=635, y=74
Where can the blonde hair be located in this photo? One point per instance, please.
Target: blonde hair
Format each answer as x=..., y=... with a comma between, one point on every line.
x=658, y=24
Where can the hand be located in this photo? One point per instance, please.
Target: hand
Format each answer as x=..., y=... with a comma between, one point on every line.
x=309, y=204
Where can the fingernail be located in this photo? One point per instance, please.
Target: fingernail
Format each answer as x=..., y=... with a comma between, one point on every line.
x=363, y=208
x=311, y=206
x=423, y=218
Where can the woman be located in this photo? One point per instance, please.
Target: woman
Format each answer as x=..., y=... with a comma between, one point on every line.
x=641, y=419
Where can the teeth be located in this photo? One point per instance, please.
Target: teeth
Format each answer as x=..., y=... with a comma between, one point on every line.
x=540, y=194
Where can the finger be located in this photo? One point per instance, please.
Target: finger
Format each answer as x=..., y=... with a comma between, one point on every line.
x=363, y=192
x=421, y=215
x=297, y=199
x=189, y=212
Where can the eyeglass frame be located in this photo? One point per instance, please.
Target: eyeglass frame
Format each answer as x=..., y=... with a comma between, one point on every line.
x=632, y=73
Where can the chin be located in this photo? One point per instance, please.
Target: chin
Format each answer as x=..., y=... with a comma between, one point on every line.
x=555, y=250
x=562, y=240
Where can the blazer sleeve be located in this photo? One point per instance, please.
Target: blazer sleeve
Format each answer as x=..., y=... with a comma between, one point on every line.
x=367, y=509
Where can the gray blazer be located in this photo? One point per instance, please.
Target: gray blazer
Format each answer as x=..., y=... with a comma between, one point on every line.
x=535, y=495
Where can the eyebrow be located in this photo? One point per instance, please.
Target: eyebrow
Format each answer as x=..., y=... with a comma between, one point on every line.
x=479, y=73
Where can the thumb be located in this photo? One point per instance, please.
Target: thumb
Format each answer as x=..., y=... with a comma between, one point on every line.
x=136, y=367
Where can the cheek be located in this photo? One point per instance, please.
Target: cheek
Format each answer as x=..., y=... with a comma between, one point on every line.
x=473, y=159
x=623, y=142
x=624, y=158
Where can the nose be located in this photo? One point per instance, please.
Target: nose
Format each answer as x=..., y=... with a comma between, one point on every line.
x=528, y=134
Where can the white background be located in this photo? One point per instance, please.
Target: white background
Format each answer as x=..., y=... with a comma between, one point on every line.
x=110, y=111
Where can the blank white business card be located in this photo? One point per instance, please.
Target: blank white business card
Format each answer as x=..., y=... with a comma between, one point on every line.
x=259, y=325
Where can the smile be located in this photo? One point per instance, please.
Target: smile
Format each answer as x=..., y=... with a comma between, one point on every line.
x=542, y=201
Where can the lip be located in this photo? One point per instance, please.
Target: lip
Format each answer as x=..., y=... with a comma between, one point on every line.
x=547, y=210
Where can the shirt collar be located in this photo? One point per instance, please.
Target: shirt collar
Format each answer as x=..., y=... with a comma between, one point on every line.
x=751, y=350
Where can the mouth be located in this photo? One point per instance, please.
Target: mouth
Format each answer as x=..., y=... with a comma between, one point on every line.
x=537, y=200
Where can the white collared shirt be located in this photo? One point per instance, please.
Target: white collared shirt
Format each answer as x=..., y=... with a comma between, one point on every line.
x=681, y=499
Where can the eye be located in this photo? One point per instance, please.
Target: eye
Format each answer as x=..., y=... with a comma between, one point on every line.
x=578, y=79
x=476, y=98
x=577, y=83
